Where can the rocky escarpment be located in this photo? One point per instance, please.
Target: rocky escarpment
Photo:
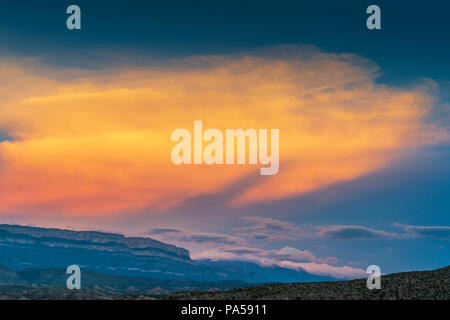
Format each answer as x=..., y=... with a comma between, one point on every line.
x=23, y=247
x=93, y=239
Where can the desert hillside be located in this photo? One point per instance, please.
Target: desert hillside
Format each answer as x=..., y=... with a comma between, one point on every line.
x=423, y=285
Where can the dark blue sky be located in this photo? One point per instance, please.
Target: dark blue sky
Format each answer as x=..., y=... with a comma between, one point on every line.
x=413, y=42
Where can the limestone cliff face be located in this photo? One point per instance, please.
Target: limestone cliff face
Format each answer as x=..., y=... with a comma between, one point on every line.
x=91, y=240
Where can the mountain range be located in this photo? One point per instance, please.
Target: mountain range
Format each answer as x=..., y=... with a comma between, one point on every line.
x=24, y=248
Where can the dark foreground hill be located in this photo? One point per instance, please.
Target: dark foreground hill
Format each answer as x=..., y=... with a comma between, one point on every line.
x=423, y=285
x=44, y=293
x=46, y=285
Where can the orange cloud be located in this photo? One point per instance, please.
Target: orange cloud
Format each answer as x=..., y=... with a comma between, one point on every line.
x=98, y=142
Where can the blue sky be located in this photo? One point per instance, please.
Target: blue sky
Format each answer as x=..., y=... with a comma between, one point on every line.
x=411, y=31
x=412, y=48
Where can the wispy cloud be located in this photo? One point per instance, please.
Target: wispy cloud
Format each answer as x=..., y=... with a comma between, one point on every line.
x=348, y=232
x=263, y=228
x=262, y=224
x=235, y=248
x=290, y=254
x=185, y=237
x=163, y=231
x=210, y=238
x=437, y=232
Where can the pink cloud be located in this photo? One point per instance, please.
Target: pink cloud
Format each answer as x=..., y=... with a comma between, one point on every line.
x=286, y=257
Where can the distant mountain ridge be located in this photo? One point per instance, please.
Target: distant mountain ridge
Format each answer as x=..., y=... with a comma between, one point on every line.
x=31, y=247
x=24, y=247
x=99, y=239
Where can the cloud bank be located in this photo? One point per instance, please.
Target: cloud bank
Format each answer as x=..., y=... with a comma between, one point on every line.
x=286, y=257
x=97, y=143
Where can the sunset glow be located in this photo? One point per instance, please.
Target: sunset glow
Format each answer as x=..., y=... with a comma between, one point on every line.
x=99, y=142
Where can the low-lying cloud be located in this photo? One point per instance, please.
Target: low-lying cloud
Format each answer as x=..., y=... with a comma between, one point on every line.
x=286, y=257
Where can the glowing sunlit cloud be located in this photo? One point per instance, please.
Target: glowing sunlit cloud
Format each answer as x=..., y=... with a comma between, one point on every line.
x=98, y=142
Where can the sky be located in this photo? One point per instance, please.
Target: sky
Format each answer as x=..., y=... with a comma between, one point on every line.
x=86, y=118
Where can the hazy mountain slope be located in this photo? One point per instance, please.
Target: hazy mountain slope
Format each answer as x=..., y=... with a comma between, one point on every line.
x=101, y=283
x=121, y=285
x=9, y=276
